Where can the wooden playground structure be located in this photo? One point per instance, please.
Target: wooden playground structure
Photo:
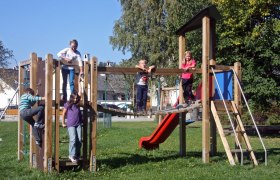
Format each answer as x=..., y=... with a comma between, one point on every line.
x=43, y=73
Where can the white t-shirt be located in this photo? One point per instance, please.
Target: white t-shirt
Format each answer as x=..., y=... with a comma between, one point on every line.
x=70, y=54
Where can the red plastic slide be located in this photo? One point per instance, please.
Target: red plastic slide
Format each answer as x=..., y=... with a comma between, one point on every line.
x=165, y=128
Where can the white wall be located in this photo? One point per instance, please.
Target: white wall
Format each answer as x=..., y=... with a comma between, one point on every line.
x=7, y=95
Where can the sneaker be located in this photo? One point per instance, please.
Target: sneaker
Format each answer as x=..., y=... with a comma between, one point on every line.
x=38, y=143
x=40, y=126
x=73, y=160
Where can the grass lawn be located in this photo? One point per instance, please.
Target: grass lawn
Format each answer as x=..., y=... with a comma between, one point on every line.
x=118, y=157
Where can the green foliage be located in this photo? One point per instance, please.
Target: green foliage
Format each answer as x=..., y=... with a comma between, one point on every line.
x=147, y=29
x=5, y=54
x=250, y=33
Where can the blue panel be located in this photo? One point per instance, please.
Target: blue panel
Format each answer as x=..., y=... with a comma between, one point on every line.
x=225, y=83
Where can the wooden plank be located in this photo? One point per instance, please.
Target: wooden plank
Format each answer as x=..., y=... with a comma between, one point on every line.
x=85, y=115
x=205, y=89
x=93, y=97
x=48, y=114
x=221, y=67
x=33, y=85
x=20, y=121
x=221, y=107
x=222, y=134
x=128, y=70
x=57, y=115
x=182, y=116
x=244, y=135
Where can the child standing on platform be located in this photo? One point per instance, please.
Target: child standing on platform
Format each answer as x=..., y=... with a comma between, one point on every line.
x=27, y=100
x=73, y=114
x=187, y=77
x=142, y=85
x=70, y=55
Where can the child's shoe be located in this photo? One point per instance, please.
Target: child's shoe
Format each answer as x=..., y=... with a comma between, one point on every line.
x=73, y=160
x=40, y=126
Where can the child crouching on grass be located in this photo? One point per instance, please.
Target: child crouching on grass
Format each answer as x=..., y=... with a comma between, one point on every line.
x=27, y=100
x=73, y=114
x=142, y=85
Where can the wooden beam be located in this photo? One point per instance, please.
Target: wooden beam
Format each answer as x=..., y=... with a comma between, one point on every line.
x=93, y=97
x=57, y=115
x=20, y=121
x=182, y=116
x=222, y=134
x=205, y=89
x=127, y=70
x=85, y=115
x=33, y=85
x=48, y=114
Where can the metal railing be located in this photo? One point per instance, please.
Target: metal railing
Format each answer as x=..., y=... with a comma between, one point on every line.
x=252, y=117
x=231, y=122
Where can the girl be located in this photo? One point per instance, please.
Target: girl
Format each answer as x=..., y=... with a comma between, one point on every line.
x=70, y=55
x=187, y=77
x=74, y=125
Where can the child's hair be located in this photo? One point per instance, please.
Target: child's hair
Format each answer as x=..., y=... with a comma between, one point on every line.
x=74, y=99
x=143, y=60
x=29, y=91
x=74, y=41
x=188, y=52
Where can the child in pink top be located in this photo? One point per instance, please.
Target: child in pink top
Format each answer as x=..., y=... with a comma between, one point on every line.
x=187, y=77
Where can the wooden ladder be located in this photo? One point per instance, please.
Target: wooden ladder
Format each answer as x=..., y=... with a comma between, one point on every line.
x=218, y=107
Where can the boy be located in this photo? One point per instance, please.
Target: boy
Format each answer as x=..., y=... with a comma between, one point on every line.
x=27, y=100
x=142, y=85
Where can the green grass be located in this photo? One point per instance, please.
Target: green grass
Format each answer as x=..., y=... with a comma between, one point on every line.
x=118, y=157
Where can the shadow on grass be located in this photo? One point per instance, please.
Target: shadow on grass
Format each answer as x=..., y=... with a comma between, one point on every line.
x=136, y=159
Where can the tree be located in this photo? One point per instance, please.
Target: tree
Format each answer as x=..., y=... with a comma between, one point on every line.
x=147, y=29
x=250, y=33
x=5, y=54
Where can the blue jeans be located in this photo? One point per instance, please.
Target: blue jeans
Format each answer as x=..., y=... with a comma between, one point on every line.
x=141, y=97
x=65, y=73
x=75, y=137
x=27, y=115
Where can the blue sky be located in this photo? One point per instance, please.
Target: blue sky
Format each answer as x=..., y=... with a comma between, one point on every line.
x=48, y=26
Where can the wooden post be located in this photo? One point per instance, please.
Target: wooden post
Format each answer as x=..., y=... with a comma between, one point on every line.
x=205, y=89
x=237, y=101
x=20, y=121
x=213, y=128
x=160, y=104
x=93, y=98
x=33, y=85
x=237, y=93
x=182, y=116
x=48, y=114
x=85, y=115
x=57, y=115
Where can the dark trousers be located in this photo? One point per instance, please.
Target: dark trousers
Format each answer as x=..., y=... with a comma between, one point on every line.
x=27, y=115
x=65, y=74
x=187, y=88
x=141, y=97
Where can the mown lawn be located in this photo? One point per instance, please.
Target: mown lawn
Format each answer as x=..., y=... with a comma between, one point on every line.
x=118, y=157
